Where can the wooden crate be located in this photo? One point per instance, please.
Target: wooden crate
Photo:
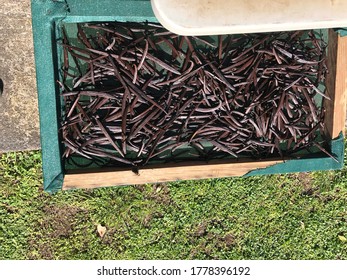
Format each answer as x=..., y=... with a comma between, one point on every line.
x=335, y=121
x=45, y=25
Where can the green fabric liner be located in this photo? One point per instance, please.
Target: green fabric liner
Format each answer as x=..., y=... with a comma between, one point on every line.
x=342, y=31
x=46, y=18
x=308, y=164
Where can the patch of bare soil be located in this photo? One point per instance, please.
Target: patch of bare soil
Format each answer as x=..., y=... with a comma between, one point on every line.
x=306, y=183
x=161, y=194
x=58, y=222
x=208, y=242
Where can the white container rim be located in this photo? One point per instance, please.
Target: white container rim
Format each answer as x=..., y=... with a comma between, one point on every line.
x=217, y=17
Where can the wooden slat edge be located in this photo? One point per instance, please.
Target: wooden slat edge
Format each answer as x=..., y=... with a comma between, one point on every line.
x=336, y=85
x=163, y=174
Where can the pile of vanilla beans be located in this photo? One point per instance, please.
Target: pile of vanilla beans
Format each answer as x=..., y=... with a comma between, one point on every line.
x=134, y=93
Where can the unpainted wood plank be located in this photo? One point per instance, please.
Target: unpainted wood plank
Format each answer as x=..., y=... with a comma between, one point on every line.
x=171, y=172
x=336, y=83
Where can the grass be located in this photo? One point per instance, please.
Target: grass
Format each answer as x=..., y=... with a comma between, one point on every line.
x=297, y=216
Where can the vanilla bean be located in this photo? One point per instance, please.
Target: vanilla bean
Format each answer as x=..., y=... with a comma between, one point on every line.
x=147, y=94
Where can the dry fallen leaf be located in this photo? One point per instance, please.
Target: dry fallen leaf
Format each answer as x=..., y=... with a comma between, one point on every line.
x=101, y=230
x=342, y=238
x=302, y=224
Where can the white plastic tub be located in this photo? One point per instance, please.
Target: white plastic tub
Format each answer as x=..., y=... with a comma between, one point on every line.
x=212, y=17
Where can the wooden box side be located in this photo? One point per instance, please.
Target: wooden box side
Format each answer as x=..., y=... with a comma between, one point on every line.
x=336, y=83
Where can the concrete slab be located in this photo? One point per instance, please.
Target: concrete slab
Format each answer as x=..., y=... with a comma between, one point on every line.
x=19, y=122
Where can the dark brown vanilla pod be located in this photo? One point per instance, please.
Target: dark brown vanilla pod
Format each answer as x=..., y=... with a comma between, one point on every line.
x=146, y=94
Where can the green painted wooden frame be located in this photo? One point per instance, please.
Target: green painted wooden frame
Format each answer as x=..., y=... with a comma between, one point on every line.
x=47, y=15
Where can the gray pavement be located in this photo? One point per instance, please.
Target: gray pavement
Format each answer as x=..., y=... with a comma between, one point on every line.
x=19, y=123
